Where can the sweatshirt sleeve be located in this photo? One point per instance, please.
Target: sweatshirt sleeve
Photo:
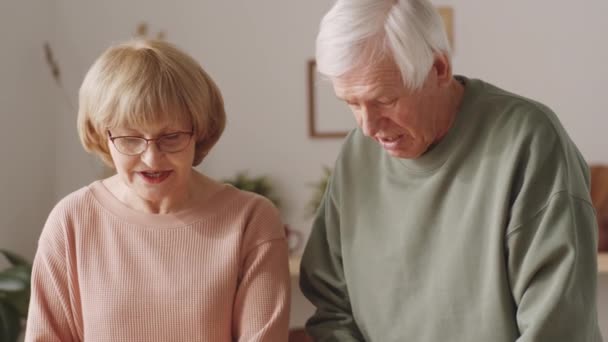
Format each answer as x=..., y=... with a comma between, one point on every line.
x=50, y=314
x=262, y=301
x=322, y=279
x=552, y=265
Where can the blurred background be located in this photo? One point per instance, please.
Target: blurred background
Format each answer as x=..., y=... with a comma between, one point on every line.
x=258, y=52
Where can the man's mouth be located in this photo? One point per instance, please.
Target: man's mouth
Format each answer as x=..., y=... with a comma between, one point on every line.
x=389, y=139
x=390, y=142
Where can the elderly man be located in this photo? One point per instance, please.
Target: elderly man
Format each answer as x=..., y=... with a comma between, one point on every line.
x=457, y=211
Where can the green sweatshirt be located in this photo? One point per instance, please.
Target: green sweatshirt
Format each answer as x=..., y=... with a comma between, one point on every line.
x=490, y=236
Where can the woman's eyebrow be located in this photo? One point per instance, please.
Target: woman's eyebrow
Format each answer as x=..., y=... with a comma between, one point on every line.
x=162, y=131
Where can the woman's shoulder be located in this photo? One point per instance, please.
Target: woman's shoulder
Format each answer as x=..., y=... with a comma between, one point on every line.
x=78, y=207
x=257, y=212
x=248, y=200
x=216, y=195
x=76, y=200
x=59, y=225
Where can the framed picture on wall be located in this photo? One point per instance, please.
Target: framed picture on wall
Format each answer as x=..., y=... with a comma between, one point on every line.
x=447, y=15
x=328, y=117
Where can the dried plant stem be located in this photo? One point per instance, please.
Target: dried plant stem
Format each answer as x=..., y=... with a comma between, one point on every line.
x=56, y=73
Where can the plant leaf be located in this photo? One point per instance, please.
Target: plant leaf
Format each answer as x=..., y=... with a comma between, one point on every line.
x=318, y=191
x=16, y=278
x=10, y=323
x=9, y=284
x=18, y=300
x=14, y=259
x=20, y=271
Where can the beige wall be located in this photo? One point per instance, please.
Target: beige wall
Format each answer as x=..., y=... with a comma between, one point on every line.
x=27, y=134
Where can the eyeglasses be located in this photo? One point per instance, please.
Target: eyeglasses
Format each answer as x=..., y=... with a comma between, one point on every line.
x=168, y=143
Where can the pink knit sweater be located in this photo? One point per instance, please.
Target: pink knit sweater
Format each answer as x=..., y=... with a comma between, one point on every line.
x=216, y=272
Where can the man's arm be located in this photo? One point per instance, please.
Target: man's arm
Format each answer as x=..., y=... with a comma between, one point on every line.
x=552, y=265
x=322, y=279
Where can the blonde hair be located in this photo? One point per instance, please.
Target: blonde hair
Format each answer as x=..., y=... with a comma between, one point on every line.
x=145, y=82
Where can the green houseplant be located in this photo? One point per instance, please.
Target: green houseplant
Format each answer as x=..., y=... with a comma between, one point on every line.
x=260, y=185
x=14, y=295
x=318, y=191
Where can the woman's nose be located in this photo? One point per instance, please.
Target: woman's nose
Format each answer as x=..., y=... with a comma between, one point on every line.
x=152, y=155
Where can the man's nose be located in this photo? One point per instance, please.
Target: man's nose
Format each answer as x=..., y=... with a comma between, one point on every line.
x=368, y=121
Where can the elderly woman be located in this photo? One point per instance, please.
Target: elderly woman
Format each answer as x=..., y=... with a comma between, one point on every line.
x=159, y=251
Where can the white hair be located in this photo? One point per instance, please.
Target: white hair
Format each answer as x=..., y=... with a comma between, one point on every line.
x=357, y=32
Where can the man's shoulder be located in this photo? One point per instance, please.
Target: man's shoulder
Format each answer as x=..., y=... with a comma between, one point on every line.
x=537, y=141
x=520, y=118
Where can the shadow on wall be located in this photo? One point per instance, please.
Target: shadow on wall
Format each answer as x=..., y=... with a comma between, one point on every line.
x=599, y=197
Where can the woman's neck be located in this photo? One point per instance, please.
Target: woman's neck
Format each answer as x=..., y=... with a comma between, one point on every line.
x=198, y=189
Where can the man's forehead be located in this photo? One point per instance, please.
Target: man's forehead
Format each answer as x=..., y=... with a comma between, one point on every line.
x=376, y=79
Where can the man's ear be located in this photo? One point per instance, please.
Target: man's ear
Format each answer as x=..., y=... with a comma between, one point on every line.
x=443, y=69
